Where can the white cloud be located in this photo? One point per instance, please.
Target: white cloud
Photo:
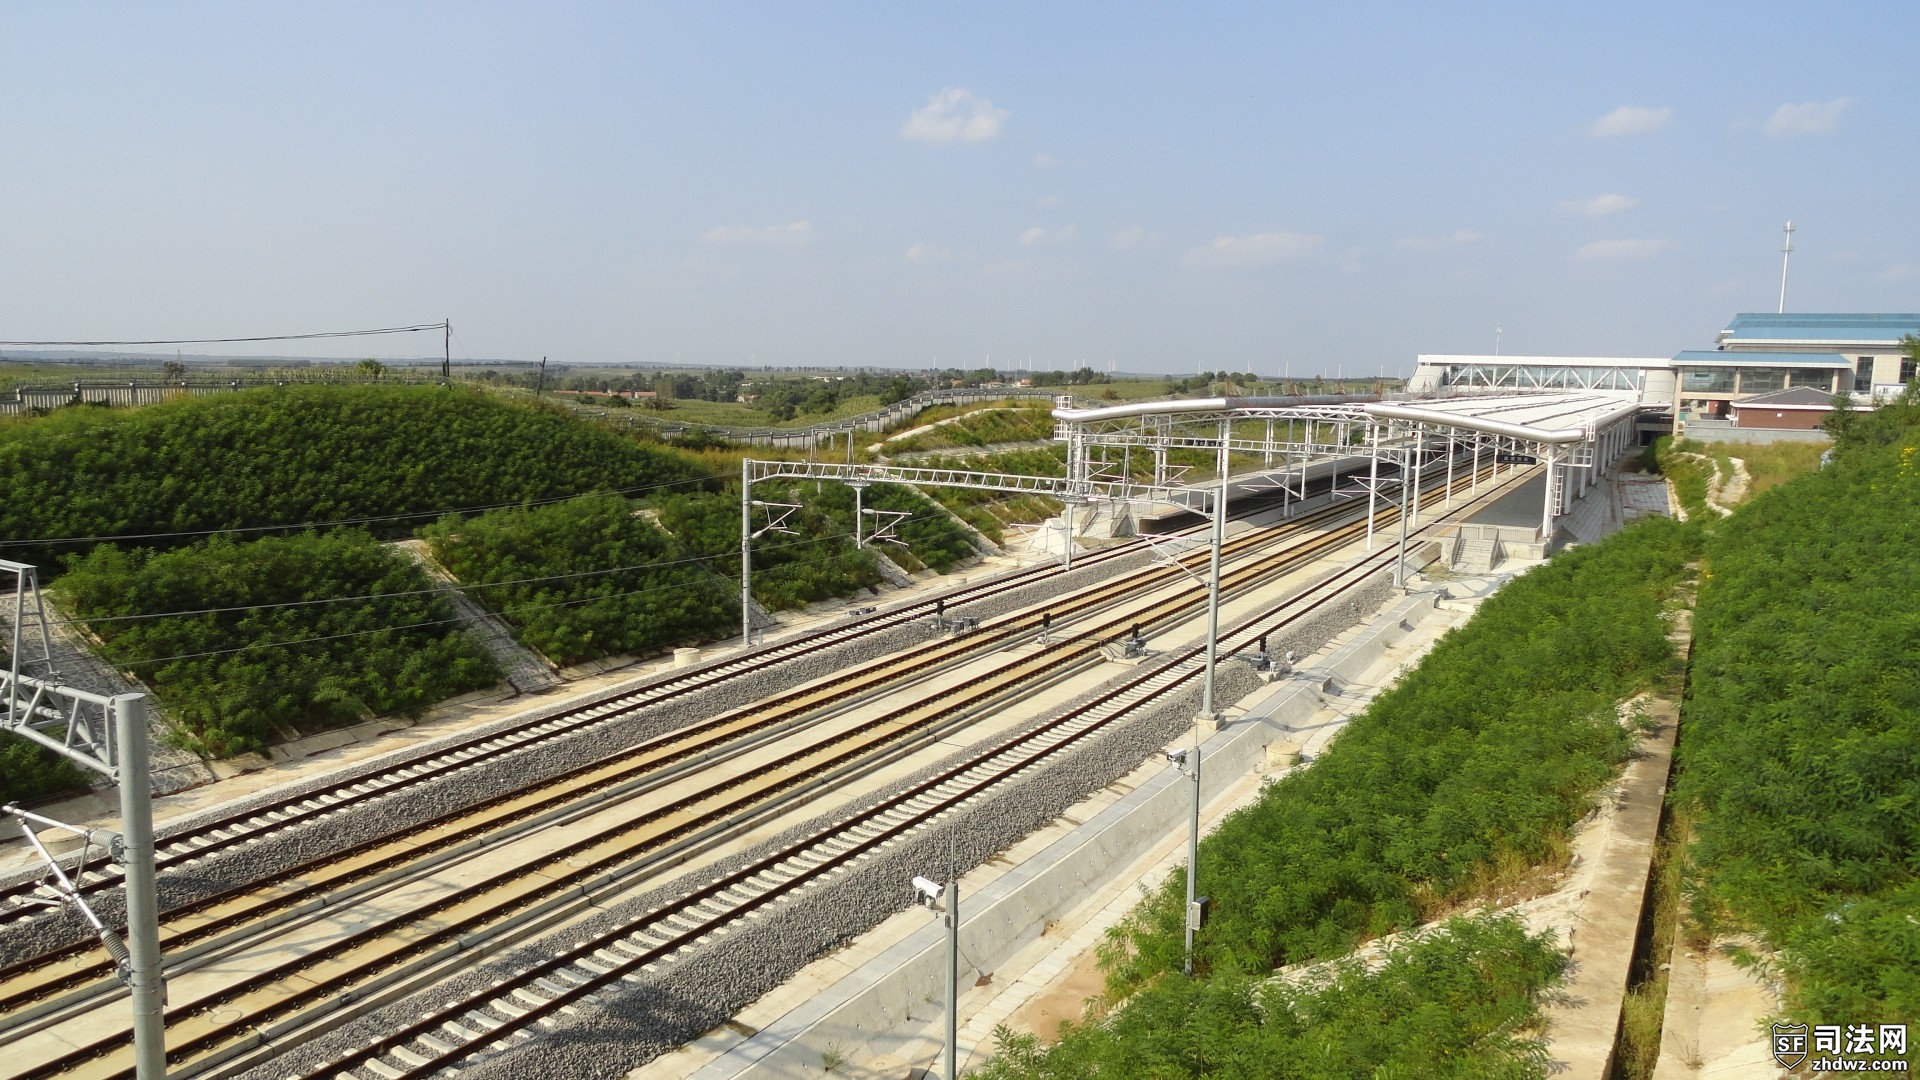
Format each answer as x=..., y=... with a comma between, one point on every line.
x=797, y=234
x=1899, y=272
x=1133, y=237
x=1039, y=237
x=1460, y=238
x=1045, y=161
x=1809, y=118
x=1616, y=250
x=954, y=115
x=1259, y=249
x=1048, y=201
x=1600, y=205
x=928, y=254
x=1630, y=120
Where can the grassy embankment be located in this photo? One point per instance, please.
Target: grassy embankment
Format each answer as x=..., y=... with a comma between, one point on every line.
x=1456, y=784
x=126, y=504
x=1801, y=746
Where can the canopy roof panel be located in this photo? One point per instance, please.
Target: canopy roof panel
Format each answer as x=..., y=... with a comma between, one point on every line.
x=1542, y=418
x=1839, y=328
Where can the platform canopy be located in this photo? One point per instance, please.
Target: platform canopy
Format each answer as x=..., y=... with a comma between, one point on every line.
x=1543, y=419
x=1552, y=419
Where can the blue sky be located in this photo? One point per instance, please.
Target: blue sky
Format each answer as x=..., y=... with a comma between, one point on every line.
x=1310, y=188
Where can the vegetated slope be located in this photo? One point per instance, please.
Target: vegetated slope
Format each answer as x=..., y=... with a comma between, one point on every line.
x=1462, y=1003
x=586, y=578
x=982, y=427
x=257, y=655
x=991, y=511
x=296, y=454
x=817, y=559
x=1801, y=737
x=1473, y=768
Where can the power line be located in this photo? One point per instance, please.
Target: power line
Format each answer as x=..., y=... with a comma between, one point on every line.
x=240, y=340
x=767, y=548
x=123, y=662
x=359, y=520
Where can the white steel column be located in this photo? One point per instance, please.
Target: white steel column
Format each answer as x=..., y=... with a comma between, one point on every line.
x=746, y=555
x=953, y=973
x=1213, y=579
x=1547, y=502
x=1373, y=477
x=1419, y=466
x=1066, y=525
x=143, y=909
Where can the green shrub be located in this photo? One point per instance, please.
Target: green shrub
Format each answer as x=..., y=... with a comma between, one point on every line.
x=1473, y=767
x=1690, y=474
x=297, y=454
x=1802, y=728
x=576, y=609
x=1477, y=762
x=29, y=772
x=245, y=669
x=817, y=560
x=1459, y=1003
x=983, y=427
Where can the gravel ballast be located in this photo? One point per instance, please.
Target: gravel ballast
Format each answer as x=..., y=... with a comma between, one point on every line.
x=277, y=851
x=706, y=985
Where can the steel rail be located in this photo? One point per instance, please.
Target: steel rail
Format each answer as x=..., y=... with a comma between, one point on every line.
x=207, y=836
x=321, y=880
x=486, y=1019
x=203, y=1030
x=486, y=748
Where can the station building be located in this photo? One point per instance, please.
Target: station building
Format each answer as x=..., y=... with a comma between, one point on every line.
x=1792, y=363
x=1762, y=353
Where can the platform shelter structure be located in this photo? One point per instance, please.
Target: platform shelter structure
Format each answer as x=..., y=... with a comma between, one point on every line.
x=1574, y=435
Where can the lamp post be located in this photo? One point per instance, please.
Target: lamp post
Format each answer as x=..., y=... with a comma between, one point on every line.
x=1188, y=762
x=931, y=893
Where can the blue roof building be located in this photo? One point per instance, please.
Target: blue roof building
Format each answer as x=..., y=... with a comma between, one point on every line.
x=1859, y=354
x=1818, y=329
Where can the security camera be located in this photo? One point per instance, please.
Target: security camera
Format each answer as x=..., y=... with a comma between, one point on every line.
x=1178, y=757
x=929, y=892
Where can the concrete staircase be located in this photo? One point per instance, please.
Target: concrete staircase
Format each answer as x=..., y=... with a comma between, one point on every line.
x=1476, y=556
x=527, y=672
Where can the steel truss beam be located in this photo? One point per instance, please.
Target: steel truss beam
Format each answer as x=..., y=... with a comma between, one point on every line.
x=109, y=736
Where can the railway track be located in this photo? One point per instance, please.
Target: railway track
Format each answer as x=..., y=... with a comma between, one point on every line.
x=207, y=1030
x=505, y=1013
x=375, y=863
x=206, y=837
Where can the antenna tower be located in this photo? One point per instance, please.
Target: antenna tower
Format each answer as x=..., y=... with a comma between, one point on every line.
x=1786, y=252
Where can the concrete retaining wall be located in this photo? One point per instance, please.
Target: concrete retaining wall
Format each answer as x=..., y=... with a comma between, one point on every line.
x=1015, y=909
x=1700, y=431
